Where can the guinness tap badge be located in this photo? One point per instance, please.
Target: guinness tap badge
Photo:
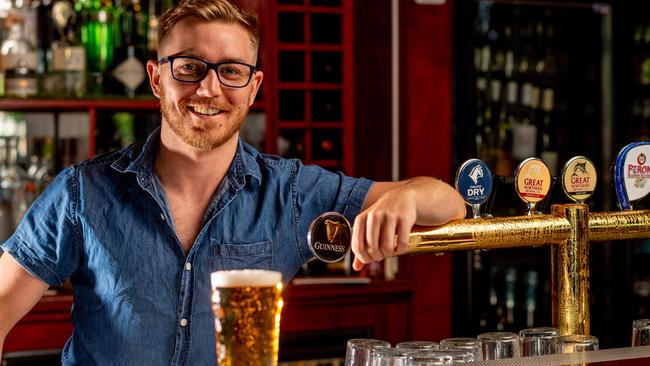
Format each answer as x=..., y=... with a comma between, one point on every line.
x=329, y=237
x=532, y=182
x=579, y=178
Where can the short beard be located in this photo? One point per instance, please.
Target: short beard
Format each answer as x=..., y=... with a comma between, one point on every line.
x=197, y=133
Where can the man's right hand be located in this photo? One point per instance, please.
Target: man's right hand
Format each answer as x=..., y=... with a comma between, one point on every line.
x=19, y=292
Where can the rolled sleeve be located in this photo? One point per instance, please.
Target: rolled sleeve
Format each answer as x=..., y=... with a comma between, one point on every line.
x=46, y=240
x=318, y=191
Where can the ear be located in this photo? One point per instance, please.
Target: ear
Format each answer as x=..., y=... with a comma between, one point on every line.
x=153, y=69
x=256, y=81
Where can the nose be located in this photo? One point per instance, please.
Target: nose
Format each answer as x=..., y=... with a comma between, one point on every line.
x=210, y=85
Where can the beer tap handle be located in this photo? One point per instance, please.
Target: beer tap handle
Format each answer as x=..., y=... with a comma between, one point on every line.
x=579, y=179
x=631, y=174
x=474, y=183
x=532, y=183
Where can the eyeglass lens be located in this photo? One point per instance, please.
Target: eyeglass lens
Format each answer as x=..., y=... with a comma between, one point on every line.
x=194, y=70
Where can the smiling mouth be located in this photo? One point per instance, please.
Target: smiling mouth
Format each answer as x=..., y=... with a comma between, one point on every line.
x=205, y=111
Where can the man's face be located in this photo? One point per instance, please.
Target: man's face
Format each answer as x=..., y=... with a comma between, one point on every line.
x=206, y=114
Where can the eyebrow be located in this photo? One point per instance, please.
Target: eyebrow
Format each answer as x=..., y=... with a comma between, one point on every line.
x=192, y=53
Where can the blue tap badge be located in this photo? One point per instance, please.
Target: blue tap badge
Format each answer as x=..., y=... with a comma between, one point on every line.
x=632, y=174
x=474, y=181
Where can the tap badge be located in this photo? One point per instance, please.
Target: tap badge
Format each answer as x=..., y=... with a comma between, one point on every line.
x=474, y=181
x=333, y=228
x=329, y=237
x=631, y=174
x=532, y=180
x=640, y=172
x=579, y=178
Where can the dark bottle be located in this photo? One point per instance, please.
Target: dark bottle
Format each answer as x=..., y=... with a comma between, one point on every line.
x=129, y=73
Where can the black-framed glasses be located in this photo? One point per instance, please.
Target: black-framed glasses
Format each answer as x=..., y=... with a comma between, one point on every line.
x=190, y=69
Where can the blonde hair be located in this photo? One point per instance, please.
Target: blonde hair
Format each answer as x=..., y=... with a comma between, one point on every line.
x=209, y=10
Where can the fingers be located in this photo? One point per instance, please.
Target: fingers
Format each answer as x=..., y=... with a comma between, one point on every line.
x=359, y=240
x=373, y=232
x=373, y=237
x=387, y=240
x=357, y=265
x=403, y=230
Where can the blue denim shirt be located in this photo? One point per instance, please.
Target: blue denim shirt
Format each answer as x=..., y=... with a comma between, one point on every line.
x=138, y=299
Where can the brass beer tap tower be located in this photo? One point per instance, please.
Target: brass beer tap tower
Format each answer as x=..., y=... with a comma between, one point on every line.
x=569, y=230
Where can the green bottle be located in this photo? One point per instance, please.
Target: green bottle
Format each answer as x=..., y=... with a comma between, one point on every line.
x=97, y=32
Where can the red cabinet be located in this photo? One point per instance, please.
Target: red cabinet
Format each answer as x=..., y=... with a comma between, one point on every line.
x=47, y=326
x=317, y=320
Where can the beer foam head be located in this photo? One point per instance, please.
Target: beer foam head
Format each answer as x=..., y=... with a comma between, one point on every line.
x=245, y=277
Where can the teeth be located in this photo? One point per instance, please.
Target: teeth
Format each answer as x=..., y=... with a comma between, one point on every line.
x=205, y=110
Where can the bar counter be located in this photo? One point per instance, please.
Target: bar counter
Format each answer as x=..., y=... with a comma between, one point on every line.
x=629, y=356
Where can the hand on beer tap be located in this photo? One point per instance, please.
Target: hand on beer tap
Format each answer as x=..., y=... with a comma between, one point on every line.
x=392, y=208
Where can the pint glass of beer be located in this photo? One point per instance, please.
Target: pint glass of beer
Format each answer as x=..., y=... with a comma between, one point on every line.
x=247, y=306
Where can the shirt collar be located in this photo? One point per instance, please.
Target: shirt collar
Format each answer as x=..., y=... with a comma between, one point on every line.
x=139, y=158
x=244, y=164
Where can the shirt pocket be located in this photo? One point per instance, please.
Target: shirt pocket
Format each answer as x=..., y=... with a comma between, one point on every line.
x=242, y=255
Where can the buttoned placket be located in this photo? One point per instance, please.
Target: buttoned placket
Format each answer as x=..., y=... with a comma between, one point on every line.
x=183, y=331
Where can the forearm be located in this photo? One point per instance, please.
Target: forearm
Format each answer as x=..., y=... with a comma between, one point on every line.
x=436, y=202
x=392, y=208
x=19, y=292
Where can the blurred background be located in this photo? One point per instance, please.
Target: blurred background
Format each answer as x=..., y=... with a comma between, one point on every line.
x=384, y=89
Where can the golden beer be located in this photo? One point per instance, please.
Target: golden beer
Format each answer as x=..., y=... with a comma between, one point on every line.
x=247, y=306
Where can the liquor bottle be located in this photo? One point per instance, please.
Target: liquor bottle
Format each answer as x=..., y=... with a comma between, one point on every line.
x=524, y=132
x=156, y=9
x=152, y=34
x=20, y=62
x=483, y=129
x=46, y=33
x=492, y=118
x=510, y=299
x=504, y=165
x=129, y=70
x=644, y=76
x=97, y=37
x=6, y=221
x=531, y=297
x=644, y=126
x=550, y=152
x=43, y=175
x=66, y=76
x=13, y=181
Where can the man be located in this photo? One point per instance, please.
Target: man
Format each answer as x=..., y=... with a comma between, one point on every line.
x=139, y=231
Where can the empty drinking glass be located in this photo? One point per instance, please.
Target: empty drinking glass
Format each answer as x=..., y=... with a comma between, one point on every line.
x=576, y=343
x=428, y=358
x=641, y=332
x=458, y=356
x=359, y=351
x=466, y=344
x=498, y=345
x=538, y=341
x=390, y=356
x=419, y=345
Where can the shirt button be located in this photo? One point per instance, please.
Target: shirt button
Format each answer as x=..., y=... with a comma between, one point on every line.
x=188, y=266
x=162, y=216
x=183, y=322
